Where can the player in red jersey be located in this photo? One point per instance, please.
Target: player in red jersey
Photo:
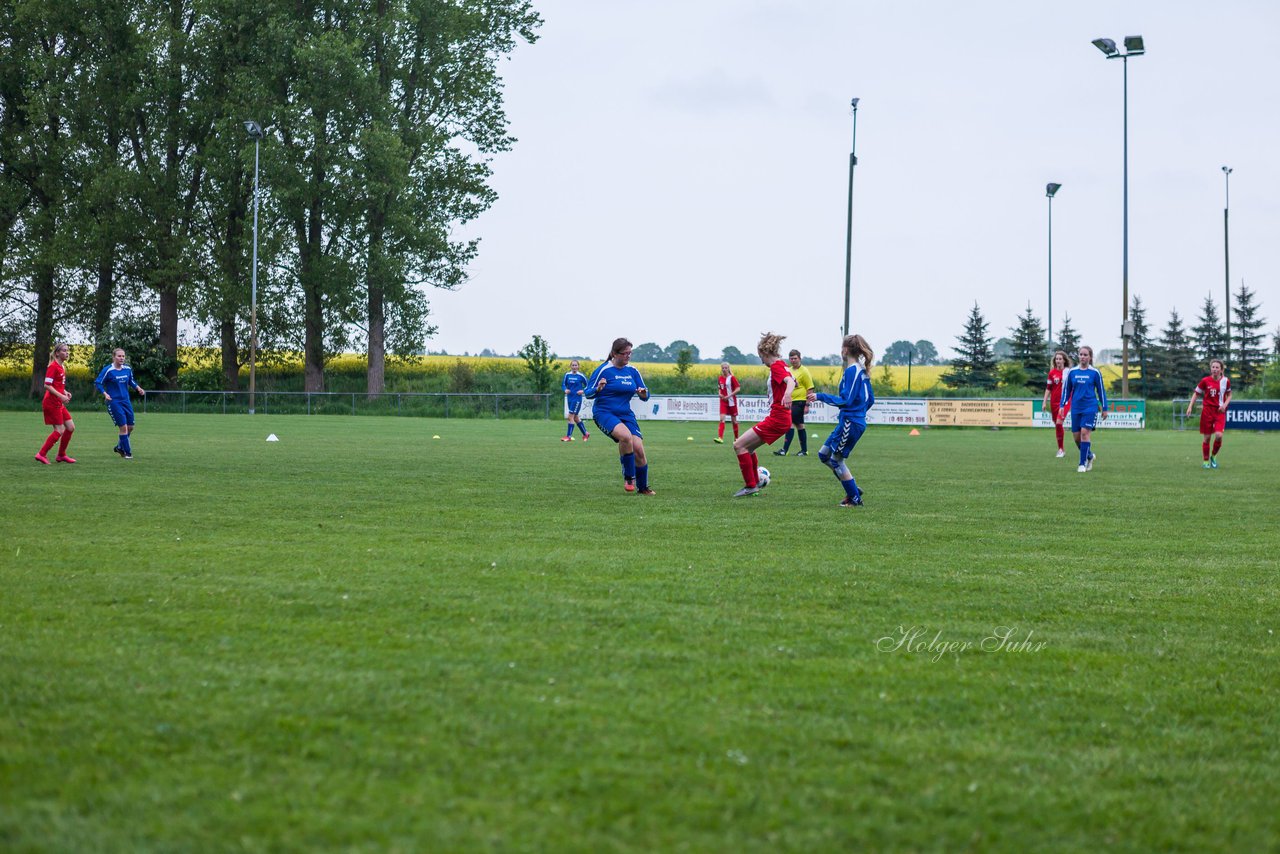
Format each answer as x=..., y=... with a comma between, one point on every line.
x=55, y=402
x=1216, y=389
x=729, y=388
x=776, y=423
x=1053, y=396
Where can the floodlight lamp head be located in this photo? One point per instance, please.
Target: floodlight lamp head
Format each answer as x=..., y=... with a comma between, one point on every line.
x=1227, y=170
x=1050, y=189
x=1134, y=46
x=853, y=103
x=1107, y=46
x=254, y=129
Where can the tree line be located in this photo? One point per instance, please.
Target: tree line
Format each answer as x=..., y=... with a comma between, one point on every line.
x=1169, y=363
x=127, y=176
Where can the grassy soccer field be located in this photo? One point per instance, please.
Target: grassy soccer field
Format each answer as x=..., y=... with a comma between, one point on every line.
x=365, y=638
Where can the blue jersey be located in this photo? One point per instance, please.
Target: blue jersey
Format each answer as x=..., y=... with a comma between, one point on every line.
x=620, y=385
x=1083, y=391
x=855, y=396
x=115, y=382
x=574, y=382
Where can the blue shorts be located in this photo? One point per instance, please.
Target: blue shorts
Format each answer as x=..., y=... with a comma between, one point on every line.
x=121, y=413
x=606, y=421
x=574, y=402
x=1083, y=421
x=845, y=436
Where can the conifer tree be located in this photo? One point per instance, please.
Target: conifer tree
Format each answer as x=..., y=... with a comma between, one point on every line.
x=1069, y=339
x=1208, y=336
x=1249, y=354
x=975, y=364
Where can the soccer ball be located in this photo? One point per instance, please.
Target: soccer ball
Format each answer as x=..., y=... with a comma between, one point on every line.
x=763, y=474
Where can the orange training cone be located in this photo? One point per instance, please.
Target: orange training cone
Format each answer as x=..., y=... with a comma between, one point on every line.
x=914, y=432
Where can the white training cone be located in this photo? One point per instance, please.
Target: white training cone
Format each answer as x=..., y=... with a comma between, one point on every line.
x=273, y=438
x=435, y=437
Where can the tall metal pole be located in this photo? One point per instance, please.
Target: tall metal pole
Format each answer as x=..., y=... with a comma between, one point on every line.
x=1226, y=262
x=253, y=291
x=1124, y=329
x=848, y=244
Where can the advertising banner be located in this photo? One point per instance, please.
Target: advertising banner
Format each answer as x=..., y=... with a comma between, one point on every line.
x=1121, y=414
x=917, y=412
x=1250, y=415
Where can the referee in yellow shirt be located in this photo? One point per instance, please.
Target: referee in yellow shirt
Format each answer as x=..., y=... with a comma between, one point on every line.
x=799, y=406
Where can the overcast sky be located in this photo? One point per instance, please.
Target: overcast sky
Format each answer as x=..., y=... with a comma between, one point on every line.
x=682, y=170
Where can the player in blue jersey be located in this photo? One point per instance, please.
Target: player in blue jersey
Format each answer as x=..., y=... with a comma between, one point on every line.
x=854, y=399
x=611, y=387
x=113, y=383
x=574, y=386
x=1083, y=393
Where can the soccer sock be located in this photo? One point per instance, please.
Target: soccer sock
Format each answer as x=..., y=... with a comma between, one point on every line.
x=581, y=426
x=124, y=444
x=804, y=439
x=749, y=476
x=1204, y=448
x=1061, y=433
x=735, y=430
x=629, y=466
x=1217, y=446
x=48, y=443
x=720, y=435
x=642, y=477
x=1084, y=452
x=755, y=466
x=62, y=446
x=569, y=432
x=786, y=443
x=850, y=488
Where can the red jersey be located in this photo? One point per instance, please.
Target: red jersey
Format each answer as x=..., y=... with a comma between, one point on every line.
x=729, y=386
x=1054, y=386
x=56, y=378
x=779, y=398
x=1214, y=391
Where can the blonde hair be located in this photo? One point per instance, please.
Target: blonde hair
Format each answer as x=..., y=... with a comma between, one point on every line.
x=857, y=348
x=770, y=344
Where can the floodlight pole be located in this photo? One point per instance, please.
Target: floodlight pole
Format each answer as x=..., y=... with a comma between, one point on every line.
x=255, y=131
x=1226, y=263
x=1134, y=46
x=848, y=243
x=1050, y=190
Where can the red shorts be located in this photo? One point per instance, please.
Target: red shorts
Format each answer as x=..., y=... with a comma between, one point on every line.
x=726, y=409
x=775, y=426
x=1212, y=422
x=1066, y=416
x=55, y=411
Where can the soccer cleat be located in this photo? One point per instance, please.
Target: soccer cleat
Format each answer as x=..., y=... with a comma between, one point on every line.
x=851, y=502
x=1088, y=466
x=1081, y=469
x=63, y=458
x=1206, y=465
x=42, y=459
x=645, y=491
x=719, y=440
x=747, y=490
x=586, y=436
x=629, y=485
x=803, y=454
x=780, y=453
x=128, y=456
x=1061, y=453
x=566, y=438
x=1213, y=462
x=119, y=450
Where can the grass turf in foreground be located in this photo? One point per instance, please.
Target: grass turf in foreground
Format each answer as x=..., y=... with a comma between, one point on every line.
x=362, y=637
